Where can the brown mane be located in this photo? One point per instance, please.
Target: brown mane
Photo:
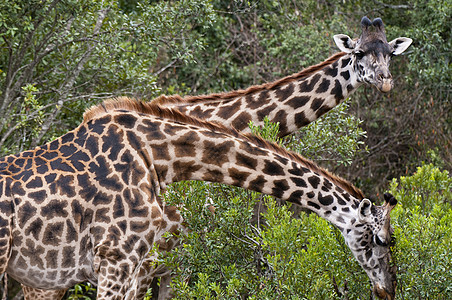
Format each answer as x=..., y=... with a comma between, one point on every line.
x=174, y=99
x=167, y=113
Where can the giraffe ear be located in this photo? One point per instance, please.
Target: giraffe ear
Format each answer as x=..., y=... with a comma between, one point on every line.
x=400, y=44
x=344, y=43
x=364, y=209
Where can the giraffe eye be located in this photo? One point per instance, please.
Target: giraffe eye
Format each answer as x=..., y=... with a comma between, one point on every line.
x=359, y=54
x=379, y=242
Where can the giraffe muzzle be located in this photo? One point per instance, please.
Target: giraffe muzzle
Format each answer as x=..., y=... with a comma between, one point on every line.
x=386, y=85
x=384, y=81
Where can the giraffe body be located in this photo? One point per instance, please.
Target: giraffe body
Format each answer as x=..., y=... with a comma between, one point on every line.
x=65, y=201
x=92, y=193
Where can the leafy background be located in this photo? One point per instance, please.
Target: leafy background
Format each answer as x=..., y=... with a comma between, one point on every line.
x=59, y=57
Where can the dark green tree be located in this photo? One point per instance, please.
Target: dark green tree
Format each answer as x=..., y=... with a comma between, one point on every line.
x=67, y=55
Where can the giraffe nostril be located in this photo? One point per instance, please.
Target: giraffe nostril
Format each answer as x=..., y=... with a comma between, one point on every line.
x=382, y=76
x=380, y=242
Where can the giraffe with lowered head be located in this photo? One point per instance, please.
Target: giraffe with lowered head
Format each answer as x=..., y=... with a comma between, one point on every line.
x=85, y=207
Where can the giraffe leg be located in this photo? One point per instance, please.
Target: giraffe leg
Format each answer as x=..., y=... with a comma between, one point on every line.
x=173, y=224
x=117, y=280
x=38, y=294
x=145, y=281
x=5, y=241
x=173, y=221
x=165, y=290
x=148, y=272
x=117, y=273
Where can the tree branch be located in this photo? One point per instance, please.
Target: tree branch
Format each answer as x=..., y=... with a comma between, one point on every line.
x=401, y=6
x=64, y=90
x=15, y=60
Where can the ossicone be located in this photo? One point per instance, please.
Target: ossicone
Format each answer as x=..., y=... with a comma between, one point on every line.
x=365, y=22
x=378, y=22
x=372, y=26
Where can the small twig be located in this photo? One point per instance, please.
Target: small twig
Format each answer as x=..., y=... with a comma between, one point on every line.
x=19, y=295
x=166, y=67
x=402, y=6
x=5, y=286
x=341, y=292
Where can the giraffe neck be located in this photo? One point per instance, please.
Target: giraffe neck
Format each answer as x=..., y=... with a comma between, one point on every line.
x=318, y=93
x=294, y=101
x=185, y=152
x=179, y=147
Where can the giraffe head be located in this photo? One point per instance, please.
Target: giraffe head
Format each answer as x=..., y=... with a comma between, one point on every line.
x=371, y=53
x=370, y=241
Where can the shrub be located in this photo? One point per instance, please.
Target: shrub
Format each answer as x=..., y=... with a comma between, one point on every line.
x=423, y=233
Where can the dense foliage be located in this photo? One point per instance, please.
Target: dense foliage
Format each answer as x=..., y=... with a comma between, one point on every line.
x=60, y=56
x=424, y=234
x=71, y=54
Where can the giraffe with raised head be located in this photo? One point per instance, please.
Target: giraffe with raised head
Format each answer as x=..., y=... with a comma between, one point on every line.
x=85, y=207
x=303, y=97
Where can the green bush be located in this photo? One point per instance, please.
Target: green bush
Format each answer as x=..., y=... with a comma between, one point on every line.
x=84, y=291
x=227, y=257
x=282, y=257
x=423, y=234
